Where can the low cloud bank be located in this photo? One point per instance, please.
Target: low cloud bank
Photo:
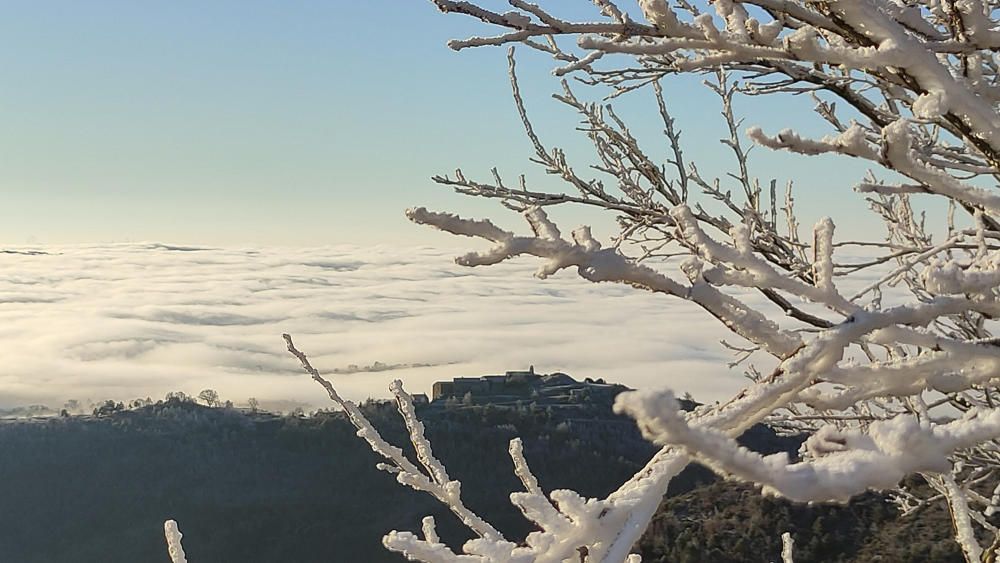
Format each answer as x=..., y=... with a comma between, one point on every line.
x=126, y=321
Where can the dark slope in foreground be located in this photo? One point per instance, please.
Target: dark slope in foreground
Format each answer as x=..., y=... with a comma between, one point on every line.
x=251, y=487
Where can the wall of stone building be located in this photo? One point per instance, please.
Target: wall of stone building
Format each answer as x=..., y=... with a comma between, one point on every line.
x=442, y=389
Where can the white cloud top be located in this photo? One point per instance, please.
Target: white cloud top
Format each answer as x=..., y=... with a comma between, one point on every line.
x=134, y=320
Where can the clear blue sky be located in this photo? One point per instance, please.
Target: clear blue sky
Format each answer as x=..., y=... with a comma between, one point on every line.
x=289, y=122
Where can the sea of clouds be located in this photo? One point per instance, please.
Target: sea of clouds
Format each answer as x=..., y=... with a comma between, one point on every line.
x=125, y=321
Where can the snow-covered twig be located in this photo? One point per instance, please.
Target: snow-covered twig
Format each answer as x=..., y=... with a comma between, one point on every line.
x=434, y=481
x=959, y=506
x=173, y=536
x=787, y=548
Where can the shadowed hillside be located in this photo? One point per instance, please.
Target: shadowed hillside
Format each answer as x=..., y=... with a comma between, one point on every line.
x=251, y=487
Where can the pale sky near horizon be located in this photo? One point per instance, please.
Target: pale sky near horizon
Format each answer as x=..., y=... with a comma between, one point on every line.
x=298, y=123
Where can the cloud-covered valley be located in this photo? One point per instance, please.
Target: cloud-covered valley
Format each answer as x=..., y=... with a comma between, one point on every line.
x=125, y=321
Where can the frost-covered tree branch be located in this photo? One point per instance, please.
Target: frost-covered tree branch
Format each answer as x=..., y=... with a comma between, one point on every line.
x=881, y=349
x=841, y=464
x=432, y=479
x=873, y=346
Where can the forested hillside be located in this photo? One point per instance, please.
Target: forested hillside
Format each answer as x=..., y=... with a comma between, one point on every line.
x=250, y=487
